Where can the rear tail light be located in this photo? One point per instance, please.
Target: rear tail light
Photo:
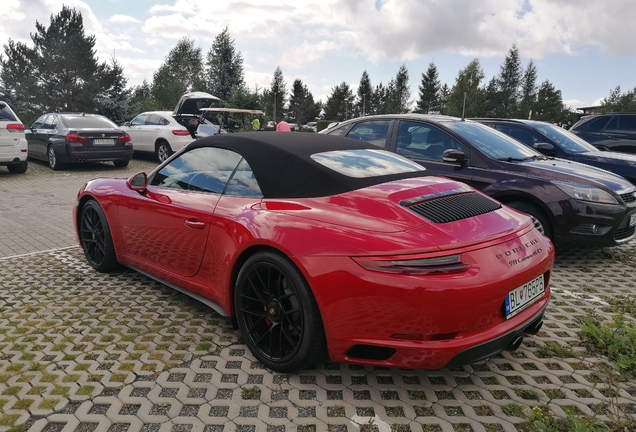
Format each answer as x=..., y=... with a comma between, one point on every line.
x=414, y=265
x=75, y=138
x=180, y=132
x=124, y=138
x=15, y=127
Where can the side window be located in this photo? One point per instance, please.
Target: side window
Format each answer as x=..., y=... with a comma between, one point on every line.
x=39, y=123
x=338, y=131
x=373, y=132
x=153, y=120
x=203, y=169
x=422, y=141
x=243, y=183
x=163, y=121
x=50, y=122
x=627, y=123
x=613, y=124
x=599, y=124
x=140, y=120
x=520, y=134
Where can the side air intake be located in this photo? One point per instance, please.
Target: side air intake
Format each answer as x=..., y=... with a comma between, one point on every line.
x=454, y=207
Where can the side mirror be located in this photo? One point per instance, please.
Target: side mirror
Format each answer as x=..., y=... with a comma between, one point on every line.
x=138, y=182
x=545, y=148
x=127, y=124
x=454, y=157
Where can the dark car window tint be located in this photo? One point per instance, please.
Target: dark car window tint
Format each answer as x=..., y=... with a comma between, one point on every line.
x=39, y=123
x=423, y=141
x=338, y=131
x=373, y=132
x=243, y=183
x=50, y=122
x=153, y=120
x=613, y=124
x=520, y=134
x=366, y=163
x=163, y=121
x=139, y=120
x=598, y=124
x=565, y=139
x=203, y=169
x=6, y=114
x=493, y=143
x=88, y=122
x=627, y=123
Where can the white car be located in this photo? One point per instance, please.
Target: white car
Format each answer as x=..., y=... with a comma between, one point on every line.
x=164, y=132
x=13, y=144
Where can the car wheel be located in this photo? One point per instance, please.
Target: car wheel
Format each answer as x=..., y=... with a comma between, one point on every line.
x=163, y=151
x=19, y=168
x=54, y=163
x=95, y=238
x=120, y=163
x=277, y=314
x=541, y=221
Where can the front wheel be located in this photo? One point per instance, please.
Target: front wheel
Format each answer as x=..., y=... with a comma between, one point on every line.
x=95, y=238
x=120, y=163
x=277, y=313
x=163, y=151
x=19, y=168
x=541, y=221
x=54, y=162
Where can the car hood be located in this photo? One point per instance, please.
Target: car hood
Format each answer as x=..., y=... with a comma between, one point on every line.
x=609, y=157
x=191, y=103
x=575, y=172
x=385, y=208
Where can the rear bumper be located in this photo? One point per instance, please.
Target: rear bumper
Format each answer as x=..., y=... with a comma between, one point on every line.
x=12, y=155
x=78, y=154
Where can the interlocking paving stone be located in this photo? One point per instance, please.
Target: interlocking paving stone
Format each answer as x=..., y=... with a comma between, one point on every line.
x=85, y=351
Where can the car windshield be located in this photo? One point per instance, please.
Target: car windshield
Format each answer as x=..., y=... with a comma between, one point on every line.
x=87, y=122
x=493, y=143
x=565, y=139
x=366, y=163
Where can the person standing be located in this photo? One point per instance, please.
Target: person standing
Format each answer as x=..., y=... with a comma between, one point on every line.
x=256, y=124
x=283, y=126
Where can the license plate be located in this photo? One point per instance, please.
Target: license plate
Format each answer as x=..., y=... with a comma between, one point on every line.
x=103, y=141
x=632, y=219
x=519, y=298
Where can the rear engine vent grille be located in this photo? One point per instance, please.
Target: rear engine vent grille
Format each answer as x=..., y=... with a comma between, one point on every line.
x=455, y=207
x=628, y=197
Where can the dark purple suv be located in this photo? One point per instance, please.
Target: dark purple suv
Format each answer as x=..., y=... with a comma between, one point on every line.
x=570, y=202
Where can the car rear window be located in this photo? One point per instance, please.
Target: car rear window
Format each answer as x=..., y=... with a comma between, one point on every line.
x=366, y=163
x=88, y=122
x=599, y=124
x=6, y=114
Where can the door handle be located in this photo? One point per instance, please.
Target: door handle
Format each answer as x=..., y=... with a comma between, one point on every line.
x=190, y=223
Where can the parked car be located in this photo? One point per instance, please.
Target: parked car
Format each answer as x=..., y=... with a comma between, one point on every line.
x=569, y=202
x=62, y=138
x=610, y=131
x=302, y=244
x=164, y=132
x=13, y=144
x=554, y=141
x=311, y=125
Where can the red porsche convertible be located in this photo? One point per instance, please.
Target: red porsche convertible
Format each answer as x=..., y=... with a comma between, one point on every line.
x=319, y=245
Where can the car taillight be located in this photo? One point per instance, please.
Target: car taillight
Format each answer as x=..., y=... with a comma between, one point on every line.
x=75, y=138
x=414, y=265
x=124, y=138
x=180, y=132
x=15, y=127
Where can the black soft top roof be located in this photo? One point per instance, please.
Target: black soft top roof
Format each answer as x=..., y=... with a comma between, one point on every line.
x=283, y=167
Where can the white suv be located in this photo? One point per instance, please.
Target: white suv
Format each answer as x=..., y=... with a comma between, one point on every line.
x=13, y=144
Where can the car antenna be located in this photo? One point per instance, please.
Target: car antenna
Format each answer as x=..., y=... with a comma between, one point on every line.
x=464, y=108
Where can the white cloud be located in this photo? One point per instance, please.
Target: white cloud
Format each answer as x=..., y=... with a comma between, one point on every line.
x=123, y=19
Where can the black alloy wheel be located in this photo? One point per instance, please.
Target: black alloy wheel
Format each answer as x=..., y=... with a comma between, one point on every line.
x=96, y=239
x=277, y=314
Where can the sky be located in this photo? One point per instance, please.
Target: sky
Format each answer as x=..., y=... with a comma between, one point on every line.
x=584, y=47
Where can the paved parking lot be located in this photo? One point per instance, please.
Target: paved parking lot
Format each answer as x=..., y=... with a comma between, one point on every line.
x=83, y=351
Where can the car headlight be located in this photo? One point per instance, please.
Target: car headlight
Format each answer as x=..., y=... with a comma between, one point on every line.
x=585, y=193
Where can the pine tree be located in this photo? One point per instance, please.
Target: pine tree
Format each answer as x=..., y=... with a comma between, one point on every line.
x=275, y=97
x=444, y=94
x=508, y=83
x=364, y=95
x=59, y=73
x=180, y=73
x=296, y=99
x=549, y=103
x=115, y=102
x=399, y=92
x=467, y=88
x=339, y=105
x=429, y=96
x=224, y=64
x=528, y=91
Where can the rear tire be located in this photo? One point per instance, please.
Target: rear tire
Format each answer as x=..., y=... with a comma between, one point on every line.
x=19, y=168
x=54, y=162
x=95, y=238
x=163, y=151
x=541, y=221
x=277, y=313
x=121, y=163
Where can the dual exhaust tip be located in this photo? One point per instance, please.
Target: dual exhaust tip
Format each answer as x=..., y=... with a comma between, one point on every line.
x=532, y=330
